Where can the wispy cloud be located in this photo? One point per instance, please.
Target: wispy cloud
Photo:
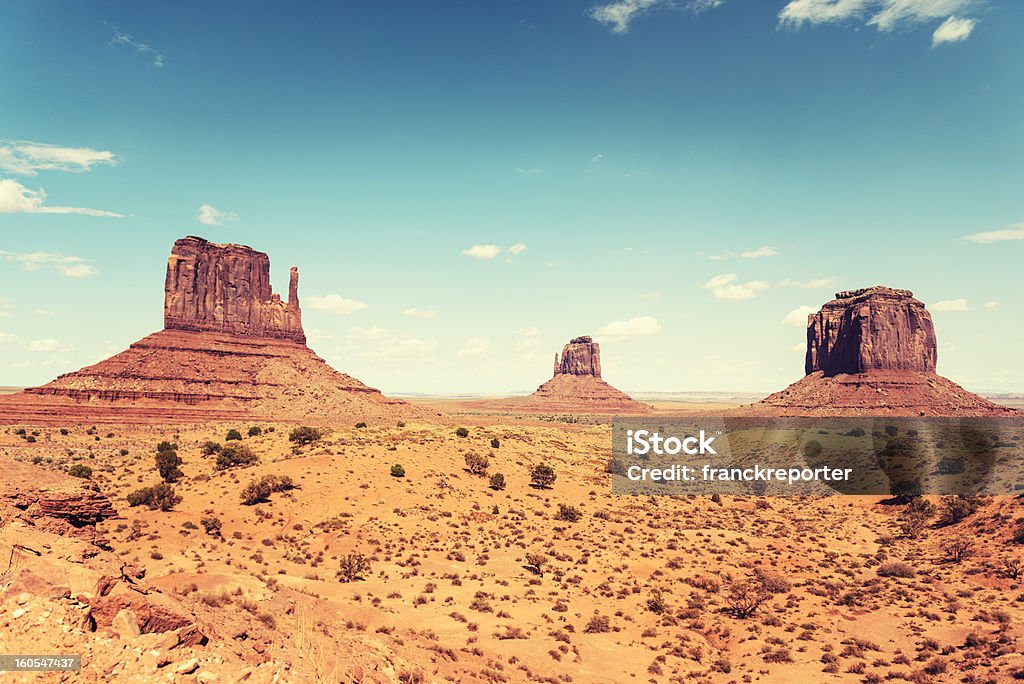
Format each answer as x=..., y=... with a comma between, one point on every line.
x=953, y=30
x=885, y=15
x=127, y=40
x=797, y=318
x=482, y=251
x=70, y=266
x=759, y=253
x=1015, y=232
x=334, y=303
x=210, y=215
x=619, y=14
x=416, y=313
x=528, y=172
x=725, y=286
x=15, y=198
x=517, y=249
x=474, y=347
x=25, y=158
x=529, y=339
x=380, y=344
x=48, y=345
x=950, y=305
x=991, y=305
x=812, y=284
x=640, y=326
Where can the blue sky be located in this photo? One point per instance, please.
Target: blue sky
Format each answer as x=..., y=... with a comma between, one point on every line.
x=678, y=179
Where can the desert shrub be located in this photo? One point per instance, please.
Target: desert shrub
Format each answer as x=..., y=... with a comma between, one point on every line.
x=950, y=466
x=255, y=492
x=210, y=448
x=235, y=455
x=353, y=566
x=497, y=482
x=495, y=443
x=166, y=446
x=598, y=624
x=958, y=550
x=397, y=471
x=278, y=483
x=304, y=435
x=745, y=598
x=905, y=490
x=477, y=464
x=461, y=432
x=915, y=517
x=167, y=463
x=1018, y=536
x=79, y=470
x=772, y=583
x=233, y=436
x=542, y=476
x=160, y=496
x=361, y=424
x=856, y=432
x=895, y=569
x=956, y=508
x=656, y=604
x=255, y=431
x=1012, y=568
x=568, y=513
x=536, y=562
x=212, y=525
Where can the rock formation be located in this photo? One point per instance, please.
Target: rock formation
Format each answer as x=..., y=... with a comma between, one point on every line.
x=875, y=328
x=230, y=349
x=226, y=289
x=873, y=351
x=575, y=387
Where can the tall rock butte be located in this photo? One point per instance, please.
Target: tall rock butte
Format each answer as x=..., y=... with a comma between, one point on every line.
x=230, y=349
x=872, y=351
x=575, y=387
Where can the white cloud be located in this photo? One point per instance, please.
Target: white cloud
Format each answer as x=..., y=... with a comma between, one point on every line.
x=640, y=326
x=333, y=303
x=596, y=158
x=482, y=251
x=126, y=40
x=48, y=345
x=759, y=253
x=724, y=286
x=5, y=307
x=885, y=15
x=653, y=296
x=529, y=339
x=15, y=198
x=70, y=266
x=529, y=172
x=416, y=313
x=517, y=249
x=474, y=347
x=953, y=30
x=950, y=305
x=797, y=318
x=991, y=305
x=619, y=14
x=1015, y=232
x=210, y=215
x=386, y=345
x=699, y=6
x=812, y=284
x=26, y=158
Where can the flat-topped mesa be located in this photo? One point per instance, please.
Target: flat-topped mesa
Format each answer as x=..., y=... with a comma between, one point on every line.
x=226, y=289
x=581, y=356
x=874, y=328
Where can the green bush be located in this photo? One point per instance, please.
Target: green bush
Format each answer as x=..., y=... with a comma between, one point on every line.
x=79, y=470
x=353, y=566
x=255, y=492
x=495, y=443
x=210, y=448
x=568, y=513
x=235, y=455
x=166, y=446
x=255, y=431
x=167, y=463
x=542, y=476
x=956, y=508
x=212, y=525
x=397, y=471
x=305, y=435
x=497, y=482
x=233, y=436
x=462, y=432
x=160, y=496
x=477, y=464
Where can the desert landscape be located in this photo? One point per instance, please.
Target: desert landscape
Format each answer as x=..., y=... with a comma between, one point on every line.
x=218, y=504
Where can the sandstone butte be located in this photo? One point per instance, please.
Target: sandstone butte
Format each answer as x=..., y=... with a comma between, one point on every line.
x=872, y=351
x=230, y=349
x=575, y=387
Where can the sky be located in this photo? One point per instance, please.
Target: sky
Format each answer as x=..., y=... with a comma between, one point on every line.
x=465, y=186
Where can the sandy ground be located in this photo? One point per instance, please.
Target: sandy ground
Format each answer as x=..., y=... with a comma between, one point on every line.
x=635, y=589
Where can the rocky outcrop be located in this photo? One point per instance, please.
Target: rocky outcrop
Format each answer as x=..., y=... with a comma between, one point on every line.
x=875, y=328
x=873, y=352
x=581, y=356
x=54, y=502
x=226, y=289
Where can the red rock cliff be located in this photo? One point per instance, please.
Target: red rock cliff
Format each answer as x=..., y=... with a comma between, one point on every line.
x=875, y=328
x=581, y=356
x=226, y=289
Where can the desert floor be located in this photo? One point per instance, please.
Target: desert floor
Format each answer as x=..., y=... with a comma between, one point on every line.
x=648, y=589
